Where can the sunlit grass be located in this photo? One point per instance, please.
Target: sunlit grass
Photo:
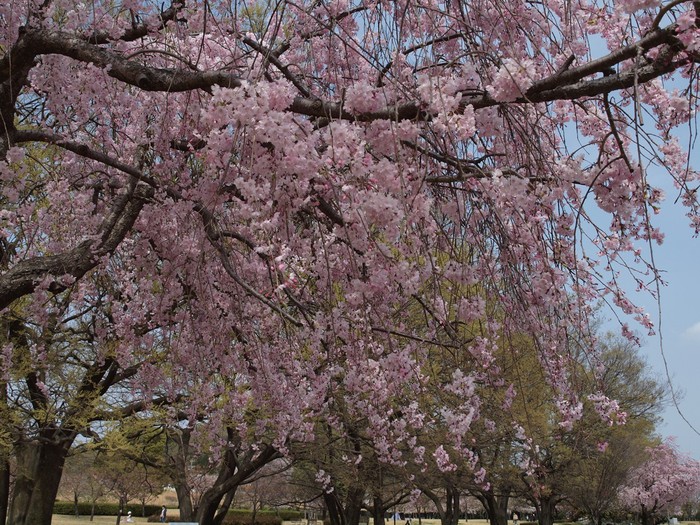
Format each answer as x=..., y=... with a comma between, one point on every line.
x=98, y=520
x=112, y=520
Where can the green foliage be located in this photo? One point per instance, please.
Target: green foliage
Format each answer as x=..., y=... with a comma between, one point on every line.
x=102, y=509
x=244, y=517
x=172, y=516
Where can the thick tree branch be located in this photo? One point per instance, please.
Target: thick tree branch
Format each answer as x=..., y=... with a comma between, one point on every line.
x=41, y=42
x=22, y=136
x=564, y=85
x=23, y=278
x=119, y=414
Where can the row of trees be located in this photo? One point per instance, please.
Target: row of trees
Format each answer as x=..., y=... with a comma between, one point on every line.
x=368, y=236
x=591, y=469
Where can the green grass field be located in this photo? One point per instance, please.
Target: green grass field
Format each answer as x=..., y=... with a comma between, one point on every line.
x=98, y=520
x=112, y=520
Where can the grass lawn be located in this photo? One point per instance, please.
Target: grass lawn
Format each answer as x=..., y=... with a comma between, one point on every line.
x=112, y=520
x=98, y=520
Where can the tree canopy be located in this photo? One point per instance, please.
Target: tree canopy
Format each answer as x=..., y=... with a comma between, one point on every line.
x=279, y=211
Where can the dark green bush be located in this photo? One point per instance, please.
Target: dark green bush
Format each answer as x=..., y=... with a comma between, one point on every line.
x=245, y=517
x=172, y=516
x=290, y=515
x=102, y=509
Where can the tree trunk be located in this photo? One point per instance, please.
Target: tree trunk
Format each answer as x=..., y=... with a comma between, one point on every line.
x=4, y=464
x=452, y=510
x=334, y=508
x=546, y=511
x=646, y=517
x=233, y=471
x=39, y=470
x=206, y=511
x=75, y=504
x=225, y=506
x=353, y=506
x=496, y=507
x=4, y=487
x=378, y=511
x=184, y=501
x=122, y=504
x=348, y=514
x=178, y=464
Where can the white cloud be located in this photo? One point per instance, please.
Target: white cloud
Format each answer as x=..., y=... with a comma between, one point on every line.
x=693, y=333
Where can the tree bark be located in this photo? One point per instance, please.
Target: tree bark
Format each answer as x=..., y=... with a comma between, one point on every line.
x=184, y=501
x=545, y=510
x=39, y=470
x=452, y=510
x=348, y=513
x=4, y=463
x=234, y=470
x=122, y=504
x=496, y=507
x=334, y=508
x=646, y=517
x=225, y=506
x=178, y=459
x=4, y=486
x=353, y=506
x=378, y=511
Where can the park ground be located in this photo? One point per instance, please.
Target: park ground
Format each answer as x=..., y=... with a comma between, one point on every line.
x=111, y=520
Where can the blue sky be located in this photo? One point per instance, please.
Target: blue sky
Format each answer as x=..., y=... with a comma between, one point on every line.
x=678, y=258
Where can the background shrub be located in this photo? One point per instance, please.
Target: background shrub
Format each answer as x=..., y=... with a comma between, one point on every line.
x=102, y=509
x=290, y=514
x=172, y=516
x=245, y=517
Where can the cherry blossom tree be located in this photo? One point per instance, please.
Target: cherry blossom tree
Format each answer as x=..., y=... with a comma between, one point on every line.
x=662, y=484
x=307, y=204
x=609, y=453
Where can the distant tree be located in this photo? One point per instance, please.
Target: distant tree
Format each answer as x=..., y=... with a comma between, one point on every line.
x=129, y=480
x=609, y=452
x=75, y=481
x=662, y=484
x=265, y=488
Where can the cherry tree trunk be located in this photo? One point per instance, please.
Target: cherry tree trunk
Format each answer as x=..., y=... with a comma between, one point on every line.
x=647, y=517
x=206, y=512
x=452, y=510
x=184, y=501
x=39, y=469
x=4, y=488
x=178, y=445
x=546, y=511
x=334, y=508
x=378, y=511
x=496, y=508
x=225, y=506
x=4, y=465
x=349, y=514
